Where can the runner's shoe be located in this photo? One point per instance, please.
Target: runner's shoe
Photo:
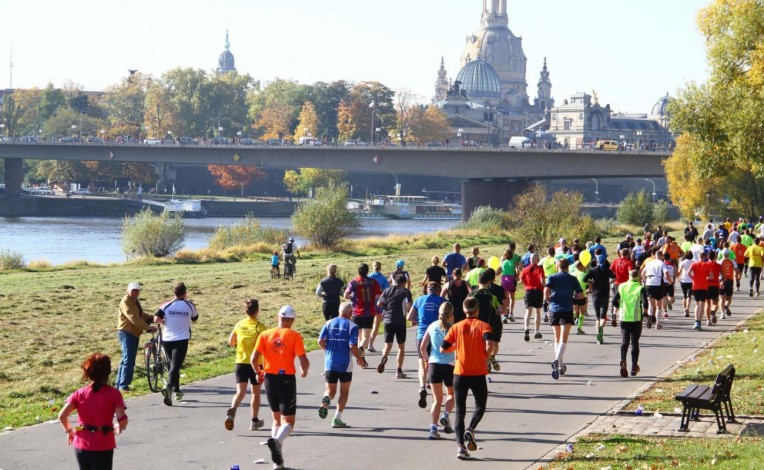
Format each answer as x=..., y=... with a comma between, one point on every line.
x=750, y=292
x=338, y=423
x=256, y=424
x=614, y=321
x=401, y=375
x=665, y=315
x=599, y=338
x=422, y=398
x=708, y=323
x=580, y=331
x=697, y=326
x=555, y=369
x=275, y=447
x=686, y=313
x=634, y=370
x=167, y=394
x=713, y=319
x=563, y=369
x=624, y=371
x=178, y=395
x=371, y=348
x=469, y=437
x=729, y=312
x=504, y=319
x=527, y=336
x=511, y=318
x=381, y=366
x=323, y=410
x=446, y=423
x=434, y=435
x=537, y=336
x=659, y=326
x=462, y=453
x=229, y=419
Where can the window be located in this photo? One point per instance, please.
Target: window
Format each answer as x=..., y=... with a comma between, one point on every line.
x=567, y=123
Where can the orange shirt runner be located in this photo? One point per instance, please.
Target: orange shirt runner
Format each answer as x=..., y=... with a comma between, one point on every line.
x=279, y=347
x=468, y=338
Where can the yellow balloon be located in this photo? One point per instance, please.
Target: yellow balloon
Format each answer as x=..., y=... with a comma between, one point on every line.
x=585, y=257
x=494, y=263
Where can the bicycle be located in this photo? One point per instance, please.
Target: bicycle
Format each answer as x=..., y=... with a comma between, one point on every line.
x=157, y=362
x=290, y=267
x=275, y=272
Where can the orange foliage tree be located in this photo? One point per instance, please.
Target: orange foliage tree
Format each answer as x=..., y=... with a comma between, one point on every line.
x=232, y=177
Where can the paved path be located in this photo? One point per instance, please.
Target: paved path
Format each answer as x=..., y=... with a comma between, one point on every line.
x=529, y=414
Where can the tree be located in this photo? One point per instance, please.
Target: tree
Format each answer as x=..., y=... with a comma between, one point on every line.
x=308, y=125
x=161, y=114
x=345, y=122
x=355, y=112
x=723, y=118
x=636, y=209
x=275, y=122
x=304, y=180
x=147, y=234
x=190, y=89
x=429, y=124
x=286, y=97
x=326, y=98
x=325, y=219
x=234, y=177
x=126, y=103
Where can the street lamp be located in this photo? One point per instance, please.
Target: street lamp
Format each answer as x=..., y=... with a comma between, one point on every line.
x=371, y=105
x=596, y=190
x=648, y=179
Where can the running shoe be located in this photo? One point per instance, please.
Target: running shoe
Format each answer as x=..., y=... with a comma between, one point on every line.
x=278, y=467
x=658, y=326
x=167, y=394
x=624, y=371
x=422, y=397
x=381, y=366
x=275, y=447
x=323, y=410
x=401, y=375
x=697, y=326
x=434, y=435
x=649, y=322
x=178, y=395
x=729, y=312
x=665, y=315
x=757, y=293
x=713, y=319
x=469, y=437
x=708, y=323
x=229, y=419
x=686, y=313
x=654, y=319
x=462, y=453
x=546, y=318
x=555, y=369
x=495, y=364
x=527, y=336
x=750, y=292
x=580, y=331
x=256, y=424
x=614, y=321
x=446, y=423
x=371, y=348
x=563, y=369
x=599, y=338
x=338, y=423
x=511, y=318
x=634, y=370
x=670, y=304
x=537, y=336
x=504, y=319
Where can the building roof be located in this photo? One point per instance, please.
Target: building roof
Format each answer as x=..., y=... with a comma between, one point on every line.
x=480, y=80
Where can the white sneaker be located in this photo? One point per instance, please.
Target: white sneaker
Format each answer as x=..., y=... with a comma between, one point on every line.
x=256, y=424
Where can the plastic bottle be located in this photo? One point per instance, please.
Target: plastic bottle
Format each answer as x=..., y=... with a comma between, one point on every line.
x=234, y=467
x=640, y=410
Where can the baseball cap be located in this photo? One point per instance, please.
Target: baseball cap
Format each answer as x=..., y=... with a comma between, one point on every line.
x=399, y=263
x=287, y=312
x=629, y=236
x=134, y=286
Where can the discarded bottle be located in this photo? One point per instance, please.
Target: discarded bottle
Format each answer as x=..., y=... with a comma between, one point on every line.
x=234, y=467
x=570, y=447
x=640, y=410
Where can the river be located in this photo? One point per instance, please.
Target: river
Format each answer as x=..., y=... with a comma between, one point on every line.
x=59, y=240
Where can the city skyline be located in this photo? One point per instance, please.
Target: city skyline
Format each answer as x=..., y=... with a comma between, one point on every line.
x=588, y=47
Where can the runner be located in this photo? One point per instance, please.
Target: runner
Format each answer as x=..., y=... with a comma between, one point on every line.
x=740, y=260
x=454, y=260
x=699, y=273
x=561, y=288
x=685, y=281
x=579, y=271
x=697, y=248
x=715, y=279
x=526, y=259
x=456, y=291
x=533, y=279
x=496, y=326
x=395, y=302
x=383, y=284
x=363, y=291
x=549, y=262
x=176, y=316
x=598, y=245
x=398, y=271
x=473, y=261
x=473, y=277
x=668, y=303
x=598, y=279
x=730, y=272
x=278, y=348
x=632, y=298
x=509, y=269
x=330, y=289
x=621, y=268
x=489, y=303
x=471, y=339
x=243, y=338
x=655, y=275
x=434, y=273
x=755, y=255
x=339, y=339
x=423, y=312
x=440, y=369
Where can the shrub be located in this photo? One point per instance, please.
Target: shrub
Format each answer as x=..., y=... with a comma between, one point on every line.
x=661, y=212
x=152, y=235
x=246, y=232
x=10, y=260
x=325, y=219
x=39, y=264
x=636, y=209
x=485, y=218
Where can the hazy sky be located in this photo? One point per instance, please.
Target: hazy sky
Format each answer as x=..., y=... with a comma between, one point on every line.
x=630, y=51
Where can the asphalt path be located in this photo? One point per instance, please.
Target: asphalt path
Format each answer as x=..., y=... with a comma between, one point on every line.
x=528, y=414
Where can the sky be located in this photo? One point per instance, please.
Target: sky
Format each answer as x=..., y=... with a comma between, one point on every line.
x=631, y=52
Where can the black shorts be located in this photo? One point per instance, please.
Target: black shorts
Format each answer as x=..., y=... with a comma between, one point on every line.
x=700, y=295
x=686, y=289
x=496, y=328
x=580, y=302
x=728, y=287
x=534, y=298
x=601, y=305
x=418, y=351
x=332, y=377
x=281, y=391
x=440, y=373
x=561, y=318
x=397, y=332
x=245, y=373
x=330, y=310
x=669, y=290
x=364, y=323
x=713, y=293
x=656, y=292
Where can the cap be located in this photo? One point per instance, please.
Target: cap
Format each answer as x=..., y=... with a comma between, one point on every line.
x=287, y=312
x=134, y=286
x=399, y=263
x=629, y=236
x=562, y=240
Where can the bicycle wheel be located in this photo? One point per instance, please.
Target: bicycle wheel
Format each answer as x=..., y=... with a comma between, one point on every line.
x=150, y=356
x=162, y=367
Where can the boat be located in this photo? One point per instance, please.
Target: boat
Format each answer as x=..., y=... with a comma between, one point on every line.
x=186, y=207
x=405, y=208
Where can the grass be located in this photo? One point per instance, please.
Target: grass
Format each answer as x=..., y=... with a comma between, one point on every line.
x=739, y=348
x=638, y=452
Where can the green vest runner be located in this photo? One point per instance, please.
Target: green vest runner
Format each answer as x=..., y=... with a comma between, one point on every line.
x=631, y=301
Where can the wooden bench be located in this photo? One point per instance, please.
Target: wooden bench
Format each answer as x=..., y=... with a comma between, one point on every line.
x=702, y=397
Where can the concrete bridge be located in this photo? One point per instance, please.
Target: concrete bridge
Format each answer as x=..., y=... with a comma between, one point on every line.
x=491, y=176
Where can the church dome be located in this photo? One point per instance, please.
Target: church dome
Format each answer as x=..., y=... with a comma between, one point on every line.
x=225, y=60
x=661, y=107
x=480, y=80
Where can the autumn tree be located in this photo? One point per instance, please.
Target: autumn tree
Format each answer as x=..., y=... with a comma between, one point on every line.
x=308, y=125
x=234, y=177
x=355, y=113
x=126, y=103
x=428, y=124
x=326, y=98
x=274, y=122
x=161, y=113
x=345, y=122
x=304, y=180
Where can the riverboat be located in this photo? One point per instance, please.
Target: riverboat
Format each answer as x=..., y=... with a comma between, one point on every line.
x=405, y=208
x=186, y=207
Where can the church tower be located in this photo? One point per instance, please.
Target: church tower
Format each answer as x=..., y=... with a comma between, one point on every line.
x=225, y=60
x=441, y=84
x=544, y=98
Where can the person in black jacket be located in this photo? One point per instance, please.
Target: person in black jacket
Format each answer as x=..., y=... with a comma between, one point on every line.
x=330, y=289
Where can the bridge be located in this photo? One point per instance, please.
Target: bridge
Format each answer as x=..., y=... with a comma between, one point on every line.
x=491, y=176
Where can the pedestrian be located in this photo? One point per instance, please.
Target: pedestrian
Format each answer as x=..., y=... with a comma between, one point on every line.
x=243, y=338
x=339, y=340
x=533, y=279
x=755, y=256
x=382, y=280
x=395, y=302
x=700, y=273
x=278, y=348
x=632, y=301
x=363, y=292
x=561, y=288
x=176, y=316
x=131, y=322
x=729, y=273
x=440, y=369
x=454, y=260
x=471, y=340
x=655, y=276
x=96, y=405
x=510, y=268
x=434, y=273
x=685, y=281
x=599, y=279
x=330, y=289
x=456, y=291
x=423, y=312
x=621, y=267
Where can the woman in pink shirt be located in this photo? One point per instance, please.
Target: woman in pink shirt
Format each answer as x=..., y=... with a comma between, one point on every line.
x=96, y=405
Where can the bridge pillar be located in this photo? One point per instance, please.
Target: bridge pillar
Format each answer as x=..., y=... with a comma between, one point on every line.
x=497, y=193
x=14, y=176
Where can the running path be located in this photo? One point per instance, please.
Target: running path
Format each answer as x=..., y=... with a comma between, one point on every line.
x=529, y=414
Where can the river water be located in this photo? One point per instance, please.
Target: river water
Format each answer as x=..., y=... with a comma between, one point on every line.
x=59, y=240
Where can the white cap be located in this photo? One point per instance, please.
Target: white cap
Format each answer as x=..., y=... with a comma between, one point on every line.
x=287, y=312
x=562, y=240
x=134, y=286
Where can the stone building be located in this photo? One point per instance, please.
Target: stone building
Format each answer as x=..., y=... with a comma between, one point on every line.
x=225, y=60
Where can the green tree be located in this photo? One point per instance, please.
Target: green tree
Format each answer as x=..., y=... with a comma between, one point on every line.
x=126, y=103
x=161, y=114
x=326, y=98
x=150, y=235
x=304, y=180
x=325, y=219
x=636, y=209
x=308, y=125
x=190, y=89
x=286, y=97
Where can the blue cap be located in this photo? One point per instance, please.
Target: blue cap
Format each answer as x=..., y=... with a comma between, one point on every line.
x=399, y=263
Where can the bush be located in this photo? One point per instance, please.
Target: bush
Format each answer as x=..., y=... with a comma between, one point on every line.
x=485, y=218
x=325, y=219
x=661, y=212
x=10, y=260
x=152, y=235
x=247, y=232
x=636, y=209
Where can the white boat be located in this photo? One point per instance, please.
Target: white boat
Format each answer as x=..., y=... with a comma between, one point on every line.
x=406, y=208
x=186, y=207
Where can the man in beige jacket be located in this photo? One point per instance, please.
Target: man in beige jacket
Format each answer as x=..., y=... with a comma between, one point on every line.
x=131, y=323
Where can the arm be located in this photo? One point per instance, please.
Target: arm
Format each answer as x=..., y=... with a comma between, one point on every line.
x=320, y=290
x=444, y=291
x=121, y=420
x=547, y=293
x=423, y=348
x=255, y=359
x=134, y=316
x=413, y=316
x=63, y=418
x=232, y=340
x=358, y=356
x=304, y=365
x=322, y=344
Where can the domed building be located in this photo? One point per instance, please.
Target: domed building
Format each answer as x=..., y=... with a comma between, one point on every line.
x=480, y=81
x=225, y=60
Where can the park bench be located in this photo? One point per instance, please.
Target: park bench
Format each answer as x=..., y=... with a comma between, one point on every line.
x=702, y=397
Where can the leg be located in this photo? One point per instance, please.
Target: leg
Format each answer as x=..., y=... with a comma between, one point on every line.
x=636, y=333
x=254, y=403
x=241, y=391
x=479, y=389
x=375, y=331
x=625, y=340
x=129, y=346
x=344, y=396
x=461, y=386
x=401, y=355
x=363, y=340
x=538, y=320
x=437, y=402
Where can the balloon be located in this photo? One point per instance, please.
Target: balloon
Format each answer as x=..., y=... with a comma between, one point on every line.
x=585, y=257
x=494, y=263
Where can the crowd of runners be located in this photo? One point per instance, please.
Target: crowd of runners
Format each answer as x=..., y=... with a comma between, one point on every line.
x=459, y=307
